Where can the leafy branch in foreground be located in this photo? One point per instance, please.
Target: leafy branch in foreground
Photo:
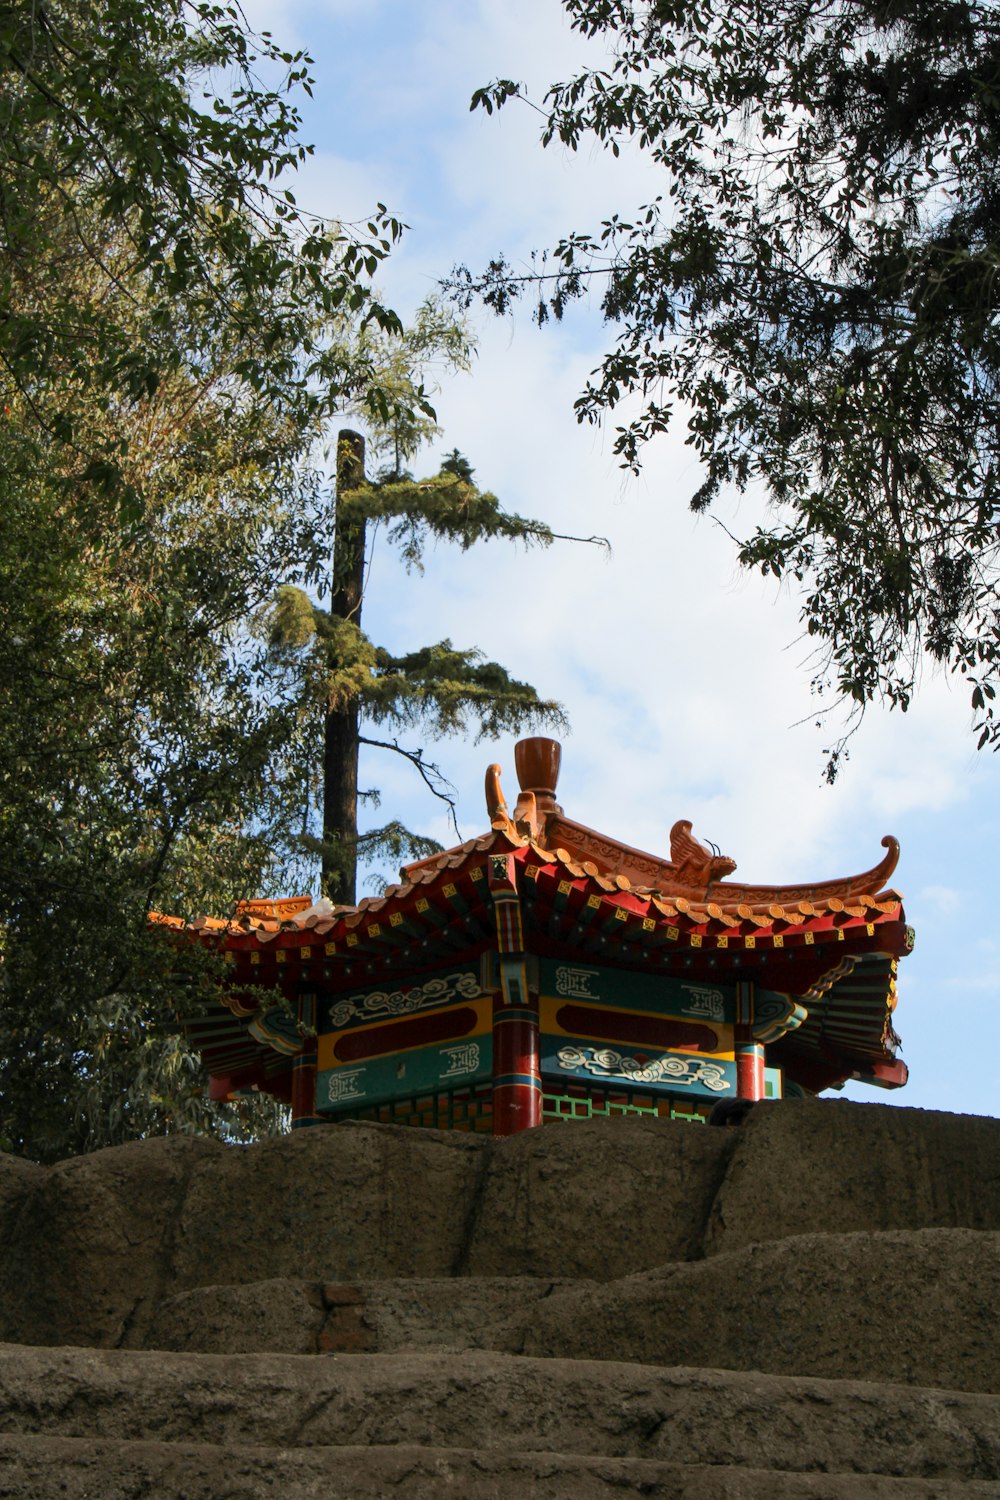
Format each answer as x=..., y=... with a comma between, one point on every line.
x=815, y=292
x=170, y=345
x=141, y=145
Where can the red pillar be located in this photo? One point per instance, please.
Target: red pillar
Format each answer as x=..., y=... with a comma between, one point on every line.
x=517, y=1082
x=749, y=1070
x=304, y=1089
x=749, y=1053
x=304, y=1068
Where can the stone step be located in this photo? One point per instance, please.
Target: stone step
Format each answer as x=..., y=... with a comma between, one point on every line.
x=367, y=1317
x=48, y=1468
x=913, y=1307
x=500, y=1405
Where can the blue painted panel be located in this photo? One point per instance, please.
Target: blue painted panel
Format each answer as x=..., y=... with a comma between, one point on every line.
x=684, y=1074
x=451, y=1065
x=659, y=995
x=362, y=1007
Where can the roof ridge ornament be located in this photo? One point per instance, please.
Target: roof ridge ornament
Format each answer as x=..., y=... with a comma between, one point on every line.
x=696, y=864
x=536, y=761
x=496, y=804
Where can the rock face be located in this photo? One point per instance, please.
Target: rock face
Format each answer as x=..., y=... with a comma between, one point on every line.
x=804, y=1306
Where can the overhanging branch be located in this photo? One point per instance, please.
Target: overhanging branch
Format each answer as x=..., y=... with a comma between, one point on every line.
x=431, y=775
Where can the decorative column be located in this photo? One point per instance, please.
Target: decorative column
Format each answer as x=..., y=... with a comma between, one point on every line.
x=517, y=1083
x=304, y=1068
x=749, y=1054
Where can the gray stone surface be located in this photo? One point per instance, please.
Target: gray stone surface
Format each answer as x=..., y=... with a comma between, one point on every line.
x=265, y=1317
x=823, y=1165
x=597, y=1198
x=17, y=1179
x=91, y=1249
x=914, y=1306
x=370, y=1311
x=294, y=1317
x=94, y=1246
x=97, y=1243
x=75, y=1469
x=500, y=1404
x=332, y=1204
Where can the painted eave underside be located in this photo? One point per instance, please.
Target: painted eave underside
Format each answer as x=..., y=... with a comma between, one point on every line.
x=833, y=944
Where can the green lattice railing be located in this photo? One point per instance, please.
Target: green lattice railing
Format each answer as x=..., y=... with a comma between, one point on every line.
x=448, y=1109
x=472, y=1109
x=601, y=1106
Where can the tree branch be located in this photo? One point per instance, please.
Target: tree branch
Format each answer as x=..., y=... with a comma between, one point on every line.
x=432, y=775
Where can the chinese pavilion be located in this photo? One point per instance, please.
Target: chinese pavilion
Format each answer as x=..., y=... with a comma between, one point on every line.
x=546, y=971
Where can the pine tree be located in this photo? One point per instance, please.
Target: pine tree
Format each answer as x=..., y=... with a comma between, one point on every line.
x=440, y=689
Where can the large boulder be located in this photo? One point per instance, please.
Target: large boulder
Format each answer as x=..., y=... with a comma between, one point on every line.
x=597, y=1198
x=331, y=1204
x=912, y=1306
x=824, y=1166
x=496, y=1403
x=93, y=1247
x=97, y=1243
x=802, y=1307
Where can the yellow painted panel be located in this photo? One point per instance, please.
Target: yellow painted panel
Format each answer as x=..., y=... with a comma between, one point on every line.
x=549, y=1006
x=483, y=1007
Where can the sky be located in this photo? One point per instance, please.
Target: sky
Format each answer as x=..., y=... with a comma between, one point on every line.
x=686, y=682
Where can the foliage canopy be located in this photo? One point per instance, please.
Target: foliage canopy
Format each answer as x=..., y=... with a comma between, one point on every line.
x=164, y=368
x=816, y=290
x=140, y=142
x=174, y=334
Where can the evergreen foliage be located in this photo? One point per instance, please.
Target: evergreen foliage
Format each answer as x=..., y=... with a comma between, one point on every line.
x=439, y=690
x=456, y=463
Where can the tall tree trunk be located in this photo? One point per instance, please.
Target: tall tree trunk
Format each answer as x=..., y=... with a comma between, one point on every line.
x=340, y=748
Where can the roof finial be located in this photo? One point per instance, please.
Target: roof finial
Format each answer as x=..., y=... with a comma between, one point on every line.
x=537, y=762
x=496, y=806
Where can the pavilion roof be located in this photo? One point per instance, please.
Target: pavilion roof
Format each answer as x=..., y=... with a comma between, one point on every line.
x=834, y=943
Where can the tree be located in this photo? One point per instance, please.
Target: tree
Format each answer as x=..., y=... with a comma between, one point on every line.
x=135, y=737
x=817, y=290
x=329, y=658
x=174, y=335
x=153, y=751
x=166, y=363
x=138, y=141
x=442, y=689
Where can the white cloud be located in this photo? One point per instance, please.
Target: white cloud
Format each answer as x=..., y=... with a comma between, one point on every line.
x=942, y=899
x=986, y=982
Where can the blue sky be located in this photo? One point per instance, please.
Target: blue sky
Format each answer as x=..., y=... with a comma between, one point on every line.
x=686, y=683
